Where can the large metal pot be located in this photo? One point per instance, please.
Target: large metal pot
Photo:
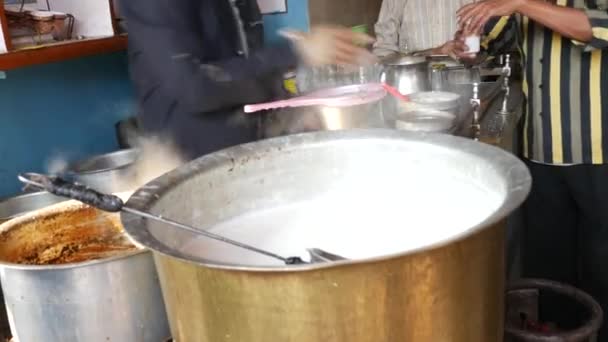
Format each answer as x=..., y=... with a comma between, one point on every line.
x=67, y=275
x=101, y=172
x=345, y=192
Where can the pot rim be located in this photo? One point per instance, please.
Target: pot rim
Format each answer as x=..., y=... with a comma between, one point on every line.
x=515, y=172
x=397, y=60
x=72, y=169
x=23, y=197
x=66, y=206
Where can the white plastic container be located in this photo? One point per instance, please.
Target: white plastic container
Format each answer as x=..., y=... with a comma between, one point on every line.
x=473, y=43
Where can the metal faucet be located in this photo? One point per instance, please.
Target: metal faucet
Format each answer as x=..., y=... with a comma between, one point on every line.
x=476, y=104
x=506, y=72
x=506, y=61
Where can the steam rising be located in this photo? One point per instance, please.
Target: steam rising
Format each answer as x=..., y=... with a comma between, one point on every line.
x=157, y=156
x=57, y=164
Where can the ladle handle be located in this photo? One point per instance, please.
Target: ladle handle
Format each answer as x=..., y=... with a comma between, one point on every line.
x=62, y=188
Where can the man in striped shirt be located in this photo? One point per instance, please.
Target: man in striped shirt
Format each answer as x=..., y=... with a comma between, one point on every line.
x=418, y=27
x=565, y=133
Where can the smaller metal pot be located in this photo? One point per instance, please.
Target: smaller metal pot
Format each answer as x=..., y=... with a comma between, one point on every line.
x=101, y=172
x=68, y=275
x=11, y=208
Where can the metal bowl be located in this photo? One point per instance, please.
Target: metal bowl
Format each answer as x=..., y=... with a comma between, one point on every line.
x=104, y=162
x=100, y=172
x=430, y=121
x=432, y=111
x=436, y=100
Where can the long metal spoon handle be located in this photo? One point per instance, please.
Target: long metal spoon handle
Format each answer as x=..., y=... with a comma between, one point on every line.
x=289, y=261
x=111, y=203
x=79, y=192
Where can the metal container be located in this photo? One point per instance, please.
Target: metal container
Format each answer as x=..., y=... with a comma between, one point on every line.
x=364, y=186
x=436, y=100
x=101, y=172
x=409, y=75
x=324, y=118
x=406, y=73
x=427, y=120
x=22, y=204
x=109, y=291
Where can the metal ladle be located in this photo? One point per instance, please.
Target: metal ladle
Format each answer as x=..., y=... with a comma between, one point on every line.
x=110, y=203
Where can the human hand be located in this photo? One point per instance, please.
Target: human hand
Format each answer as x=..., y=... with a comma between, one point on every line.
x=473, y=17
x=326, y=45
x=464, y=56
x=454, y=48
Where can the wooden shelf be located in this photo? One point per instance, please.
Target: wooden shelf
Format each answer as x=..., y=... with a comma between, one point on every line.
x=61, y=52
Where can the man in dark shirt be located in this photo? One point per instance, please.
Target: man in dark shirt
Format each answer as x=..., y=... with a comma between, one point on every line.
x=195, y=63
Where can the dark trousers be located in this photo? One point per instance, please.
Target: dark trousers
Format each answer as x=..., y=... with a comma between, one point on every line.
x=566, y=231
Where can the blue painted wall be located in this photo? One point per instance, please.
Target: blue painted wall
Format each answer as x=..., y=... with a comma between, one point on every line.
x=296, y=18
x=69, y=109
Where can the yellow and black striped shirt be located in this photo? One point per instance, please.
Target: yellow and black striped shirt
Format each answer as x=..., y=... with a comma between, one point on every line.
x=566, y=85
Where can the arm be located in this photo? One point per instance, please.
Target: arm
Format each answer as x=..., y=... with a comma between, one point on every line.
x=598, y=19
x=453, y=48
x=164, y=41
x=569, y=22
x=584, y=26
x=388, y=26
x=500, y=35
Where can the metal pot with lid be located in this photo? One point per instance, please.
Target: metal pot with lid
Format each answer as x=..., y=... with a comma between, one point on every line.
x=418, y=219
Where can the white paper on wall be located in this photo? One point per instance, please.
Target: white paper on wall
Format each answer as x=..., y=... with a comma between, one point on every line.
x=3, y=48
x=93, y=17
x=272, y=6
